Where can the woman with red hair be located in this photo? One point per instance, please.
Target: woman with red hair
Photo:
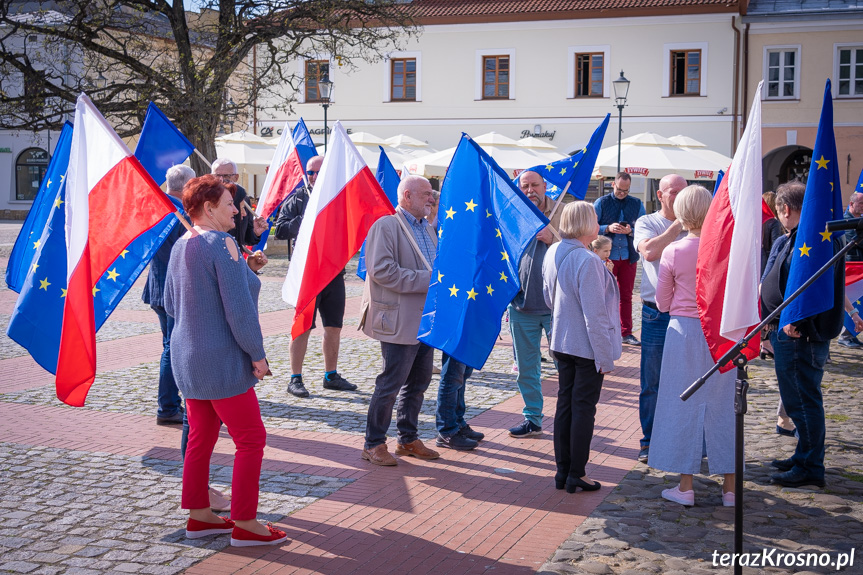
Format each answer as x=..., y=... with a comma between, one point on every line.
x=217, y=355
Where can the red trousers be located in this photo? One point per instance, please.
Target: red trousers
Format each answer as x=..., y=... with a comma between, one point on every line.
x=241, y=414
x=625, y=274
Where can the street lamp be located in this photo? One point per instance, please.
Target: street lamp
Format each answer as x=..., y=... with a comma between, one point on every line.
x=325, y=90
x=621, y=89
x=101, y=81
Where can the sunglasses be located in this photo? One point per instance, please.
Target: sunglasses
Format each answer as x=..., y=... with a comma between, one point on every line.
x=312, y=172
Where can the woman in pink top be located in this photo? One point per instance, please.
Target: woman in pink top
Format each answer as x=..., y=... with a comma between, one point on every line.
x=682, y=429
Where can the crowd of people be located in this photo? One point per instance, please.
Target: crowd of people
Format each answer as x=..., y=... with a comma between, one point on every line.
x=576, y=282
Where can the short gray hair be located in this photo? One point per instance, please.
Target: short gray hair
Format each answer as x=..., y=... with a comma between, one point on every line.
x=408, y=184
x=223, y=162
x=578, y=219
x=177, y=177
x=691, y=206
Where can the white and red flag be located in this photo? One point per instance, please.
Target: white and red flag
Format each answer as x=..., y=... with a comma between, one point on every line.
x=729, y=254
x=345, y=202
x=285, y=174
x=110, y=201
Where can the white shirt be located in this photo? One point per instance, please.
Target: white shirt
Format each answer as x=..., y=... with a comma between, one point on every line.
x=646, y=228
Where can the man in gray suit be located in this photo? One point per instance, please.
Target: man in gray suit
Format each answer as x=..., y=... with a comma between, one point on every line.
x=400, y=250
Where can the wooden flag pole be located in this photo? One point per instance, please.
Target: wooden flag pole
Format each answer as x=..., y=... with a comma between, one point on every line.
x=203, y=158
x=557, y=204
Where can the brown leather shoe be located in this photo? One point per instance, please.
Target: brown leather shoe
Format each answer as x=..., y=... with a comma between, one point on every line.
x=379, y=455
x=416, y=449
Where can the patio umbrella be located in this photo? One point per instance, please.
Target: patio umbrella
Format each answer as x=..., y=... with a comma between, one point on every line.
x=245, y=149
x=654, y=156
x=697, y=147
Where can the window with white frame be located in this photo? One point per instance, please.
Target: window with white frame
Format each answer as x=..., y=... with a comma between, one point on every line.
x=403, y=77
x=849, y=70
x=684, y=69
x=782, y=72
x=588, y=74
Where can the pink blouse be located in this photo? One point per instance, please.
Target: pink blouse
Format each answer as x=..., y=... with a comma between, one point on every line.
x=675, y=288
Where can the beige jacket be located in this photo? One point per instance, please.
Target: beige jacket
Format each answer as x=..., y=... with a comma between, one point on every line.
x=396, y=284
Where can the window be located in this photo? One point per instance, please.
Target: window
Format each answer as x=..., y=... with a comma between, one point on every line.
x=30, y=168
x=316, y=71
x=403, y=79
x=589, y=74
x=685, y=73
x=495, y=77
x=781, y=75
x=849, y=64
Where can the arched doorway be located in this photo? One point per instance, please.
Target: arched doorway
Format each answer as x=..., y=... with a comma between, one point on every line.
x=30, y=168
x=784, y=165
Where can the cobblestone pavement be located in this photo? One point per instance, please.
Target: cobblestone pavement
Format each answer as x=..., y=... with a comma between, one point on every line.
x=636, y=532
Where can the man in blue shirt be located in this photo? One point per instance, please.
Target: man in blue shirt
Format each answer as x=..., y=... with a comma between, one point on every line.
x=617, y=214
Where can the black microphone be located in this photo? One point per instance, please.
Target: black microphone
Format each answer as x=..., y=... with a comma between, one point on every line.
x=851, y=224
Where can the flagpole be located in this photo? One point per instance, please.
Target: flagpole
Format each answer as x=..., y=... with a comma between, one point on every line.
x=557, y=204
x=203, y=158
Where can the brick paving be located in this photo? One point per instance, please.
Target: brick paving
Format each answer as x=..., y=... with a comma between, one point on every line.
x=96, y=489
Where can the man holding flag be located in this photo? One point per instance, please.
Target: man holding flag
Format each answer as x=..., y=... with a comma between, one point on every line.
x=801, y=338
x=330, y=303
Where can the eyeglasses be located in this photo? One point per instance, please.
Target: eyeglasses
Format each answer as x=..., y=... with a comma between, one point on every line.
x=223, y=176
x=312, y=172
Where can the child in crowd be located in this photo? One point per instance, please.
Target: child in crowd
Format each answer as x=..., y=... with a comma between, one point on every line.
x=601, y=246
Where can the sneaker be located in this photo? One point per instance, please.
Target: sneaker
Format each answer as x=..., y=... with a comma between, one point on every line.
x=850, y=342
x=728, y=499
x=243, y=538
x=643, y=454
x=196, y=529
x=176, y=419
x=296, y=386
x=515, y=367
x=338, y=383
x=683, y=497
x=631, y=340
x=787, y=432
x=471, y=434
x=525, y=429
x=458, y=442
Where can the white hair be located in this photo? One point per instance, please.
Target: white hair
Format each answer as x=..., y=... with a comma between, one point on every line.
x=408, y=184
x=223, y=162
x=177, y=177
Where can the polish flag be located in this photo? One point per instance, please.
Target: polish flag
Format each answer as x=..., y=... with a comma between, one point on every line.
x=345, y=202
x=729, y=254
x=110, y=201
x=283, y=176
x=853, y=291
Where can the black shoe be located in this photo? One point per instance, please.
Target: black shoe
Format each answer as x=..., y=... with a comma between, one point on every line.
x=296, y=386
x=782, y=464
x=560, y=479
x=466, y=431
x=787, y=432
x=795, y=478
x=631, y=340
x=573, y=482
x=850, y=342
x=458, y=442
x=176, y=419
x=338, y=383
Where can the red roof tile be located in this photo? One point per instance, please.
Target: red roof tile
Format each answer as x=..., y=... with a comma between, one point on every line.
x=432, y=11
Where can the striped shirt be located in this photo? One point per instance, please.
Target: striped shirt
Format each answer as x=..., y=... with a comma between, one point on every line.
x=419, y=229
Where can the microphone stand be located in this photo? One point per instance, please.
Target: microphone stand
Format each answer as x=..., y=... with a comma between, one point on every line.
x=741, y=385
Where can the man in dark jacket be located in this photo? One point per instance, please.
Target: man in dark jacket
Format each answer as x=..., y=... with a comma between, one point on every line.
x=801, y=350
x=330, y=303
x=247, y=228
x=617, y=214
x=855, y=210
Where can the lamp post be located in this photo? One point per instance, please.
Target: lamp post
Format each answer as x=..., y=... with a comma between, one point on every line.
x=621, y=89
x=325, y=90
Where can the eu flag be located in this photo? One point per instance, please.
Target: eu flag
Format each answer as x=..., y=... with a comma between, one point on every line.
x=574, y=170
x=388, y=178
x=485, y=227
x=813, y=245
x=161, y=145
x=26, y=248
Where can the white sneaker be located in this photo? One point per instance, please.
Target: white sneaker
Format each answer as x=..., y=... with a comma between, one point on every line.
x=683, y=497
x=515, y=367
x=728, y=499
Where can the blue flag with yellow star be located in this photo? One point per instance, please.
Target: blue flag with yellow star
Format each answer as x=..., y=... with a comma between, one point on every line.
x=486, y=224
x=38, y=315
x=389, y=179
x=813, y=245
x=575, y=170
x=26, y=246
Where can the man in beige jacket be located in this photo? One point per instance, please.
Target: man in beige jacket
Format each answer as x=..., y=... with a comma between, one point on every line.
x=400, y=250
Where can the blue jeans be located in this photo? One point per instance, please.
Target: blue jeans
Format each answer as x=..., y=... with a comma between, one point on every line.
x=169, y=396
x=526, y=332
x=406, y=376
x=449, y=417
x=799, y=369
x=654, y=324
